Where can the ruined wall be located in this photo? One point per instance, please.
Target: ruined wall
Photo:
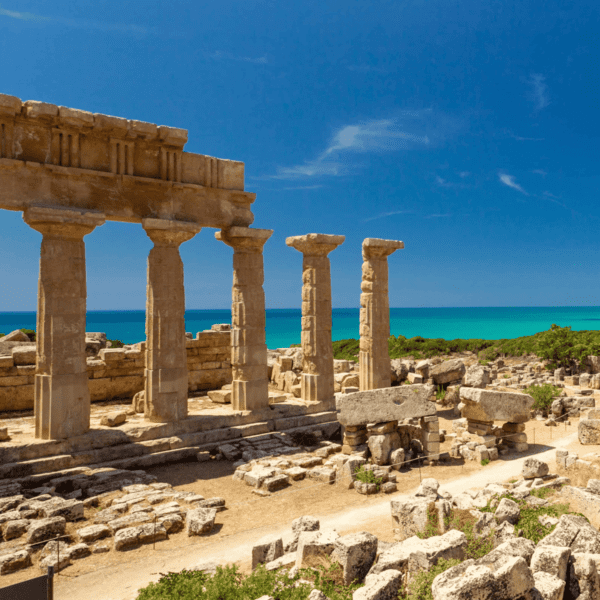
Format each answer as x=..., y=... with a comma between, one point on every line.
x=118, y=372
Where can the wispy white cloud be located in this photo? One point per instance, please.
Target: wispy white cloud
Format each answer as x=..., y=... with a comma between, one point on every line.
x=539, y=91
x=219, y=55
x=389, y=214
x=552, y=198
x=75, y=23
x=464, y=174
x=412, y=129
x=437, y=216
x=540, y=172
x=528, y=139
x=509, y=180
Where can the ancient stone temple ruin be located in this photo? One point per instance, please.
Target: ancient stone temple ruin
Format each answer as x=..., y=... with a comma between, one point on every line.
x=69, y=171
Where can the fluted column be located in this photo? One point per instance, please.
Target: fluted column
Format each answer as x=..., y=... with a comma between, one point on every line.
x=250, y=386
x=62, y=397
x=375, y=314
x=166, y=358
x=317, y=368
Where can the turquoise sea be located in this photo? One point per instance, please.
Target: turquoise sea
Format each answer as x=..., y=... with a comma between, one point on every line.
x=283, y=325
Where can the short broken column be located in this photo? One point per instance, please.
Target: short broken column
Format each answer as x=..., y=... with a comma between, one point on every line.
x=374, y=360
x=166, y=396
x=317, y=368
x=250, y=386
x=62, y=397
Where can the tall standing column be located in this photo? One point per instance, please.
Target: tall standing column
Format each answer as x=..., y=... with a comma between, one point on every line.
x=166, y=358
x=317, y=368
x=250, y=386
x=62, y=397
x=375, y=314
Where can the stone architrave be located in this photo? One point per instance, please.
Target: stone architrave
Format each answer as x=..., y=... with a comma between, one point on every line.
x=166, y=392
x=250, y=386
x=317, y=376
x=374, y=359
x=385, y=404
x=484, y=405
x=62, y=397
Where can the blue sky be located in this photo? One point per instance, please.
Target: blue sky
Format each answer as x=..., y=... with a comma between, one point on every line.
x=468, y=129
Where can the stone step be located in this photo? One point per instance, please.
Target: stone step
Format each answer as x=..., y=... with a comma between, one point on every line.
x=159, y=451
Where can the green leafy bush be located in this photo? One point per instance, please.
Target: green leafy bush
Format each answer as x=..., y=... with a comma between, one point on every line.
x=485, y=461
x=440, y=393
x=367, y=476
x=543, y=396
x=30, y=334
x=228, y=584
x=114, y=344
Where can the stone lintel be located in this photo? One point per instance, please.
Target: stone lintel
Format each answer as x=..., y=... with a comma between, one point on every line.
x=50, y=214
x=377, y=248
x=244, y=238
x=319, y=244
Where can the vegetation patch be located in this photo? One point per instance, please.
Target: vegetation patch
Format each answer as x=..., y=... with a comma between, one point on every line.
x=367, y=476
x=543, y=396
x=228, y=584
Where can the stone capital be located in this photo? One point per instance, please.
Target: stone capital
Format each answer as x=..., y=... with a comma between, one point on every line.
x=244, y=239
x=166, y=232
x=377, y=248
x=315, y=244
x=62, y=223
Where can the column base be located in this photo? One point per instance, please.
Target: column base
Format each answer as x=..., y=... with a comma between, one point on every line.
x=249, y=395
x=316, y=388
x=166, y=395
x=62, y=406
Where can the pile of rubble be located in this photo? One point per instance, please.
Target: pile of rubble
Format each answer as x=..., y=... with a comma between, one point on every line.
x=563, y=564
x=114, y=507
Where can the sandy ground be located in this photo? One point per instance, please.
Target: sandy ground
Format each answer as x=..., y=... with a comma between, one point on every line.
x=119, y=576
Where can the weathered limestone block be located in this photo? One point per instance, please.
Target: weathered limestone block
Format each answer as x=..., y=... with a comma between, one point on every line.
x=533, y=468
x=415, y=554
x=317, y=377
x=447, y=371
x=383, y=586
x=588, y=431
x=573, y=532
x=506, y=579
x=382, y=446
x=387, y=404
x=267, y=549
x=356, y=553
x=14, y=561
x=485, y=405
x=313, y=547
x=374, y=360
x=200, y=521
x=62, y=398
x=249, y=388
x=551, y=559
x=477, y=376
x=141, y=534
x=45, y=529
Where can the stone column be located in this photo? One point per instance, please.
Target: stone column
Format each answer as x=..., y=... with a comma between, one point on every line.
x=250, y=386
x=62, y=397
x=374, y=359
x=317, y=376
x=166, y=394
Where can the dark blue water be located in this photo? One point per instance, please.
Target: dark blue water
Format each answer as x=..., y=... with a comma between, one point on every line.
x=283, y=325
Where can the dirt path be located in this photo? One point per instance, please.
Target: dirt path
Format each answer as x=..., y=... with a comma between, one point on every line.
x=121, y=581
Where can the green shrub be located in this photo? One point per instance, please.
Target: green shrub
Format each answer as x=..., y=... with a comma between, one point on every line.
x=529, y=517
x=114, y=344
x=30, y=334
x=485, y=461
x=440, y=393
x=228, y=584
x=543, y=396
x=367, y=476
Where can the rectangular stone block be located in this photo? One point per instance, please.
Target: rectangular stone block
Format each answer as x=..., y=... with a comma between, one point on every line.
x=385, y=404
x=486, y=405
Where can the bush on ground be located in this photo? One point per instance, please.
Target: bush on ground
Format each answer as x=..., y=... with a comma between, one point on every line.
x=543, y=396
